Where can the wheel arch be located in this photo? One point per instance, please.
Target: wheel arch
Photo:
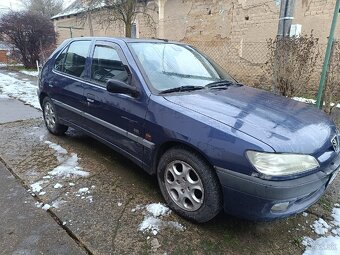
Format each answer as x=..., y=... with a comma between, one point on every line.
x=176, y=143
x=41, y=98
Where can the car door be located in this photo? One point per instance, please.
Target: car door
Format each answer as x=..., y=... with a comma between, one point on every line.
x=116, y=118
x=66, y=83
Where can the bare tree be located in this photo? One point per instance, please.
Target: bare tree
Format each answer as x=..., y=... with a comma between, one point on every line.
x=125, y=11
x=291, y=63
x=29, y=33
x=46, y=8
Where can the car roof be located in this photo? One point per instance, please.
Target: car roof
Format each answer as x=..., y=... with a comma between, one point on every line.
x=126, y=40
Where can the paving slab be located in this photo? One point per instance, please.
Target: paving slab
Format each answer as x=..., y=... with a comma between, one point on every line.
x=26, y=229
x=14, y=110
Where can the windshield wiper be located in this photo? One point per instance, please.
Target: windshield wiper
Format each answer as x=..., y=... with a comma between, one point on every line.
x=221, y=83
x=181, y=89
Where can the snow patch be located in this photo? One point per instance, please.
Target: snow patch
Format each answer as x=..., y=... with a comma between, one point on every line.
x=36, y=187
x=336, y=216
x=58, y=149
x=154, y=220
x=57, y=186
x=46, y=207
x=137, y=208
x=320, y=226
x=310, y=101
x=329, y=242
x=157, y=209
x=68, y=164
x=90, y=198
x=83, y=190
x=324, y=246
x=38, y=204
x=23, y=90
x=69, y=167
x=30, y=73
x=58, y=203
x=2, y=96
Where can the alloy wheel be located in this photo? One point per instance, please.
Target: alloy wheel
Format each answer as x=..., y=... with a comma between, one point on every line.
x=49, y=114
x=184, y=185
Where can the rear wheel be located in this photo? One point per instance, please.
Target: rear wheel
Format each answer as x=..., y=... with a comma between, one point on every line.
x=189, y=185
x=51, y=118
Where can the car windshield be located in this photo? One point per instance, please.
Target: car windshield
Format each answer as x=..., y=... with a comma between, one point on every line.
x=169, y=65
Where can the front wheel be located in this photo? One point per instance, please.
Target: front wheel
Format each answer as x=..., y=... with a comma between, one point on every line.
x=51, y=118
x=189, y=185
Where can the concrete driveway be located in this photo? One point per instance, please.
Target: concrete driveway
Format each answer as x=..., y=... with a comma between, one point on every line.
x=106, y=203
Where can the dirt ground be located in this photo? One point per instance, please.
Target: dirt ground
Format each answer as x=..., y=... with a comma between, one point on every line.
x=109, y=225
x=106, y=218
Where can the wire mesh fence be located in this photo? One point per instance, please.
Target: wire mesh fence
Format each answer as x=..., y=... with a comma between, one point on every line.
x=246, y=62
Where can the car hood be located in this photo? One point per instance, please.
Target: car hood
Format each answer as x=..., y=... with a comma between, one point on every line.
x=284, y=124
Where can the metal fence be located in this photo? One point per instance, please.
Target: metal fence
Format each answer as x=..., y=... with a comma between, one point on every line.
x=245, y=61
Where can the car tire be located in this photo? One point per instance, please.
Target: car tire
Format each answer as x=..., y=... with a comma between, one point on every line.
x=51, y=118
x=189, y=185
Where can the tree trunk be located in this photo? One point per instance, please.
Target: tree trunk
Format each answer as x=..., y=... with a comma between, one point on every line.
x=128, y=27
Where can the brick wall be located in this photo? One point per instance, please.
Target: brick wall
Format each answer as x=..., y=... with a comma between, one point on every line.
x=234, y=20
x=3, y=56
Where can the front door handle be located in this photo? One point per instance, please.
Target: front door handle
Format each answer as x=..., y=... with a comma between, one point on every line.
x=90, y=98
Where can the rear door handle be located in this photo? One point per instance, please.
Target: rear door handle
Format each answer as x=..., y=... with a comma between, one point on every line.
x=52, y=84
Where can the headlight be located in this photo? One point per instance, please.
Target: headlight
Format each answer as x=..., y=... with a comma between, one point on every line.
x=275, y=164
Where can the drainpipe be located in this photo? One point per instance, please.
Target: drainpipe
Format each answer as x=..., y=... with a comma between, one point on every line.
x=286, y=17
x=161, y=6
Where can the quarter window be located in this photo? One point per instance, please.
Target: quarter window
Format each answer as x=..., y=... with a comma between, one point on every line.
x=73, y=62
x=107, y=64
x=60, y=61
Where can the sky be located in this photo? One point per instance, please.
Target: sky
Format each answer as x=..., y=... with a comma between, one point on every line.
x=10, y=4
x=17, y=5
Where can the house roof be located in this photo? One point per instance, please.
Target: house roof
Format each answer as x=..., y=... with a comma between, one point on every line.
x=78, y=6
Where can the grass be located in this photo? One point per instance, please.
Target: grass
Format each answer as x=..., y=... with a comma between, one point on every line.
x=20, y=68
x=325, y=203
x=297, y=241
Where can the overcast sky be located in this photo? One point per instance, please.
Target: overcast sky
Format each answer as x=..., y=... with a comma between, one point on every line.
x=17, y=5
x=10, y=4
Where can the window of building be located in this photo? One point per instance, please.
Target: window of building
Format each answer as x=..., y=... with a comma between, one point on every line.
x=107, y=64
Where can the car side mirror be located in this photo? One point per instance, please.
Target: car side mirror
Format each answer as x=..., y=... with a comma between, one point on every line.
x=120, y=87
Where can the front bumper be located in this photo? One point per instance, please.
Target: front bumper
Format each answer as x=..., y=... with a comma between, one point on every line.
x=253, y=198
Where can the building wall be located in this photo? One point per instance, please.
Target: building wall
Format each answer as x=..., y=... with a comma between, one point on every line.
x=204, y=20
x=316, y=15
x=82, y=22
x=251, y=20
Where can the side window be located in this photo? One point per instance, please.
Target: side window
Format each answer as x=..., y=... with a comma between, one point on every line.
x=106, y=64
x=73, y=62
x=60, y=61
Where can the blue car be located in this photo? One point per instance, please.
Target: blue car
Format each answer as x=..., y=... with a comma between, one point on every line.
x=213, y=143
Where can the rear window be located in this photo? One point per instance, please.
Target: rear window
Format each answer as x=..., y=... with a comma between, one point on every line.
x=72, y=59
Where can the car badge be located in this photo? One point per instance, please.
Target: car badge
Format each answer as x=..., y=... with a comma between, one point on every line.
x=335, y=143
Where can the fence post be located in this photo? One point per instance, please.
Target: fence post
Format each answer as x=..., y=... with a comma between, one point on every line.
x=323, y=77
